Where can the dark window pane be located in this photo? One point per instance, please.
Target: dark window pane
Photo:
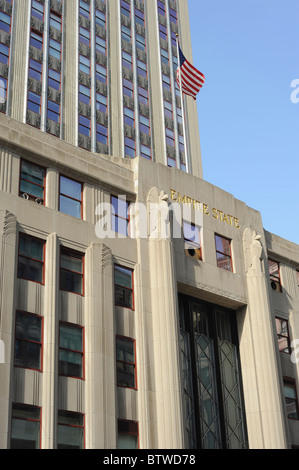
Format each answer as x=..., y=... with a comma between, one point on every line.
x=123, y=277
x=123, y=297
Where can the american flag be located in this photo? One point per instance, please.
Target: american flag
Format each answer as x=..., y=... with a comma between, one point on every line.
x=192, y=79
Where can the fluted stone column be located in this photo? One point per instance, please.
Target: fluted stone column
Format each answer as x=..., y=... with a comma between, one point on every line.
x=262, y=389
x=100, y=386
x=168, y=419
x=50, y=344
x=8, y=241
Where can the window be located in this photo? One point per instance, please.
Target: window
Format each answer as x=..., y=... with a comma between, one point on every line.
x=127, y=434
x=128, y=88
x=71, y=350
x=274, y=273
x=140, y=42
x=161, y=8
x=223, y=253
x=84, y=36
x=84, y=94
x=125, y=33
x=123, y=284
x=141, y=68
x=101, y=73
x=84, y=125
x=142, y=95
x=173, y=15
x=25, y=427
x=84, y=9
x=70, y=430
x=297, y=274
x=170, y=137
x=54, y=79
x=130, y=147
x=164, y=56
x=100, y=18
x=36, y=39
x=53, y=112
x=3, y=89
x=139, y=17
x=31, y=258
x=127, y=60
x=125, y=362
x=283, y=337
x=100, y=45
x=168, y=109
x=5, y=22
x=55, y=20
x=171, y=162
x=166, y=81
x=4, y=54
x=125, y=9
x=192, y=240
x=144, y=124
x=101, y=103
x=37, y=10
x=34, y=102
x=120, y=215
x=55, y=49
x=129, y=116
x=84, y=64
x=102, y=134
x=35, y=69
x=28, y=341
x=32, y=181
x=145, y=151
x=181, y=143
x=71, y=271
x=70, y=197
x=291, y=399
x=163, y=32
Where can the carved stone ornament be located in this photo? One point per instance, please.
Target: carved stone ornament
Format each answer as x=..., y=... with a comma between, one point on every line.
x=253, y=251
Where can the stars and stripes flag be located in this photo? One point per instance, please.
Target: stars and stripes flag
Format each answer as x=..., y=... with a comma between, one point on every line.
x=192, y=79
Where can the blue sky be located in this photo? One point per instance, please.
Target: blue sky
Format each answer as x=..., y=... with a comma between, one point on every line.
x=248, y=51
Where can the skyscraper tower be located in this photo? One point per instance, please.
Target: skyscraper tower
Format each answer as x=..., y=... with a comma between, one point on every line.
x=101, y=75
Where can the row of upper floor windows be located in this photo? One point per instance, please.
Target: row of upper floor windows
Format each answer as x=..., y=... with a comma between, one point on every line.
x=32, y=186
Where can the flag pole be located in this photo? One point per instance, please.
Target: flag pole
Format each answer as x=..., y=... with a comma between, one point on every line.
x=183, y=107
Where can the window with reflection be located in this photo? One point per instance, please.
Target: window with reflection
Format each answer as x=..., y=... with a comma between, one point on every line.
x=70, y=197
x=31, y=258
x=71, y=271
x=70, y=430
x=192, y=240
x=123, y=286
x=127, y=434
x=28, y=341
x=283, y=337
x=71, y=350
x=32, y=181
x=25, y=427
x=274, y=273
x=223, y=253
x=120, y=215
x=125, y=362
x=291, y=398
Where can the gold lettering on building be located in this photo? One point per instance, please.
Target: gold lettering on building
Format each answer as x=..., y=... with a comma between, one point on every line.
x=216, y=213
